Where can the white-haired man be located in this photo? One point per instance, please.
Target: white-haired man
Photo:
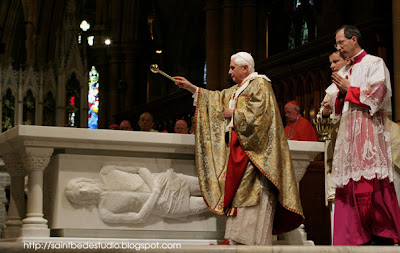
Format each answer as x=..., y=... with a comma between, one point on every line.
x=242, y=156
x=181, y=127
x=298, y=128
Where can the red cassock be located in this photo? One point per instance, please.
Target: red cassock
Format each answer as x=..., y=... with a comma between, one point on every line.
x=301, y=130
x=365, y=203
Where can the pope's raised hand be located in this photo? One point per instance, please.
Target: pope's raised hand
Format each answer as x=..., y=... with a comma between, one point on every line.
x=183, y=83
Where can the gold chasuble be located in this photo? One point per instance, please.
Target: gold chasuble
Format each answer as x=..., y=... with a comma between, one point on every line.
x=258, y=125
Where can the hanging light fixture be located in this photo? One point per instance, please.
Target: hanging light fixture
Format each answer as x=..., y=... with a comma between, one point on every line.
x=84, y=25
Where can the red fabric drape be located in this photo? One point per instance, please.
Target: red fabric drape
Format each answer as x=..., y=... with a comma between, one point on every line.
x=237, y=163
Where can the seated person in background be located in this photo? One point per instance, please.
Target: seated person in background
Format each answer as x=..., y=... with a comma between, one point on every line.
x=298, y=128
x=146, y=122
x=114, y=127
x=125, y=125
x=181, y=127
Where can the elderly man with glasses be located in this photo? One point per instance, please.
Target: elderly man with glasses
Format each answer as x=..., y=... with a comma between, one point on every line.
x=298, y=128
x=181, y=127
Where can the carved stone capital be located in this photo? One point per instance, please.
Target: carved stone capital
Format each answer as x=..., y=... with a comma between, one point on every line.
x=35, y=158
x=14, y=164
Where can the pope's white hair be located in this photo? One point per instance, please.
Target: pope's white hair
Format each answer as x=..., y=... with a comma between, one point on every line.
x=244, y=58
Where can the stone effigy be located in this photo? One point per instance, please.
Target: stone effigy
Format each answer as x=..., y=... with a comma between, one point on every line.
x=126, y=194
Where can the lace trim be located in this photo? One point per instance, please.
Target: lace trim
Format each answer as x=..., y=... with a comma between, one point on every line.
x=362, y=147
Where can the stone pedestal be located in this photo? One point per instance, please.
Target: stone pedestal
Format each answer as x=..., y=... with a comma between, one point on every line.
x=16, y=211
x=302, y=152
x=35, y=160
x=4, y=182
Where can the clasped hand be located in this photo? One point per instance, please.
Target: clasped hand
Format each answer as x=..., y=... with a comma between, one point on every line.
x=342, y=83
x=228, y=113
x=327, y=109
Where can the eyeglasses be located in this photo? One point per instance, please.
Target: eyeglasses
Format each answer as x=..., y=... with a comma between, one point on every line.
x=339, y=43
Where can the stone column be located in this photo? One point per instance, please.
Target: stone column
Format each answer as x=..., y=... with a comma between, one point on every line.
x=130, y=86
x=4, y=182
x=114, y=76
x=17, y=206
x=60, y=100
x=212, y=45
x=101, y=66
x=249, y=24
x=19, y=101
x=39, y=101
x=396, y=58
x=83, y=100
x=228, y=39
x=35, y=160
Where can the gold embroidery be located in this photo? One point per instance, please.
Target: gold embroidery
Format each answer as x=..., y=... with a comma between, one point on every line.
x=259, y=127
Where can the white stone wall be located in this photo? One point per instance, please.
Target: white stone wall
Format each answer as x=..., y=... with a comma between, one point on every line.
x=4, y=182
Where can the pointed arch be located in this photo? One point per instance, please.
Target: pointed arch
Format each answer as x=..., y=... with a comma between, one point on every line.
x=30, y=82
x=10, y=77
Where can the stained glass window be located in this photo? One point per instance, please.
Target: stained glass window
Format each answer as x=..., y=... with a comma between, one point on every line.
x=302, y=27
x=205, y=74
x=304, y=33
x=93, y=99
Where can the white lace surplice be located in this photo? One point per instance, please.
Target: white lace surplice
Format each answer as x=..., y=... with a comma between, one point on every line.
x=363, y=144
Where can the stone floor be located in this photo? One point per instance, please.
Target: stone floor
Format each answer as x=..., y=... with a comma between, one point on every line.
x=130, y=246
x=7, y=247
